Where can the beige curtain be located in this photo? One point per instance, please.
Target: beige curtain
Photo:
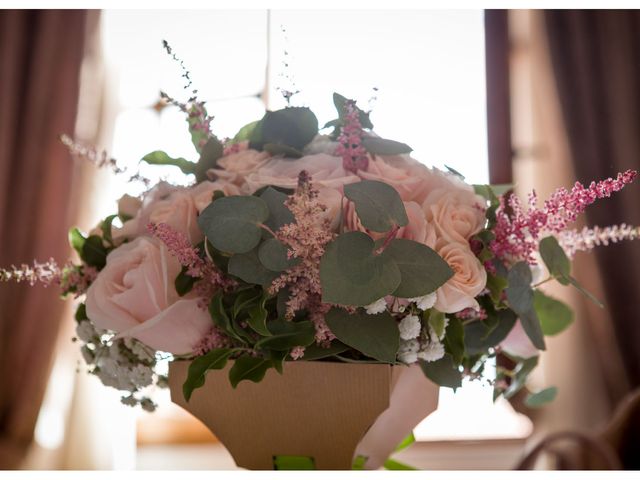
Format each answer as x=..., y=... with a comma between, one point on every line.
x=583, y=360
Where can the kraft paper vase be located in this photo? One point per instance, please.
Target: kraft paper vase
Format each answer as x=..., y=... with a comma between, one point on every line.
x=329, y=412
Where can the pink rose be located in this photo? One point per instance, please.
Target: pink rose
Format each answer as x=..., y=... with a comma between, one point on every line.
x=134, y=295
x=411, y=179
x=456, y=214
x=203, y=192
x=235, y=167
x=174, y=206
x=518, y=343
x=469, y=278
x=325, y=170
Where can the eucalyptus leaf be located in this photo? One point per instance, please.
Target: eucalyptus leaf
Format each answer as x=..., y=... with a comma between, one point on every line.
x=351, y=274
x=377, y=336
x=279, y=213
x=340, y=101
x=378, y=205
x=539, y=399
x=422, y=270
x=316, y=352
x=211, y=152
x=443, y=372
x=273, y=255
x=233, y=224
x=520, y=297
x=244, y=134
x=287, y=335
x=383, y=146
x=478, y=337
x=94, y=253
x=294, y=127
x=454, y=340
x=555, y=316
x=276, y=149
x=183, y=282
x=215, y=359
x=555, y=259
x=159, y=157
x=248, y=267
x=249, y=368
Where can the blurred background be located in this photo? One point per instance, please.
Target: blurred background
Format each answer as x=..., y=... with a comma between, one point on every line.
x=535, y=98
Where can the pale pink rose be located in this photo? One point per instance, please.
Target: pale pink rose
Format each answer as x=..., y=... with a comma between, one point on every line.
x=456, y=214
x=469, y=278
x=518, y=343
x=332, y=199
x=325, y=170
x=134, y=295
x=235, y=167
x=174, y=206
x=203, y=192
x=411, y=179
x=129, y=206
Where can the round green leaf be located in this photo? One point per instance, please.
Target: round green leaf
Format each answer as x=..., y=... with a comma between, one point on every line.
x=422, y=270
x=478, y=337
x=520, y=297
x=538, y=399
x=233, y=224
x=273, y=254
x=247, y=267
x=279, y=214
x=554, y=315
x=377, y=336
x=292, y=126
x=443, y=372
x=555, y=259
x=378, y=205
x=351, y=273
x=383, y=146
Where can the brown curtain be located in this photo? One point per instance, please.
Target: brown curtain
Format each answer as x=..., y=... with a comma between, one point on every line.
x=596, y=62
x=40, y=59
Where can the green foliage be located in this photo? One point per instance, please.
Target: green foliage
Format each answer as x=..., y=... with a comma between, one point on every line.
x=541, y=398
x=443, y=372
x=482, y=335
x=184, y=283
x=352, y=274
x=94, y=253
x=276, y=149
x=422, y=270
x=520, y=297
x=359, y=462
x=279, y=214
x=249, y=368
x=340, y=101
x=377, y=336
x=574, y=283
x=215, y=359
x=273, y=254
x=76, y=240
x=292, y=127
x=220, y=318
x=211, y=152
x=81, y=313
x=293, y=462
x=407, y=442
x=520, y=375
x=555, y=316
x=198, y=136
x=555, y=259
x=378, y=205
x=391, y=464
x=454, y=340
x=248, y=267
x=158, y=157
x=316, y=352
x=105, y=226
x=287, y=335
x=258, y=316
x=245, y=133
x=233, y=224
x=436, y=320
x=382, y=146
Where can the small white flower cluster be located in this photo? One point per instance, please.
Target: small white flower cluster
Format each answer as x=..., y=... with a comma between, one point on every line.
x=124, y=364
x=418, y=342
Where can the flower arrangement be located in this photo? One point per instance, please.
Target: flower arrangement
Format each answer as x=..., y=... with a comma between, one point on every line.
x=291, y=245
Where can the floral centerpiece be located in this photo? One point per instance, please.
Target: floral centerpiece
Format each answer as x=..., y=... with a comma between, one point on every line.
x=296, y=246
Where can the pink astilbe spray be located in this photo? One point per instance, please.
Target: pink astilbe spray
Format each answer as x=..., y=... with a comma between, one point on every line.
x=211, y=278
x=354, y=156
x=214, y=339
x=70, y=278
x=573, y=241
x=306, y=239
x=518, y=230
